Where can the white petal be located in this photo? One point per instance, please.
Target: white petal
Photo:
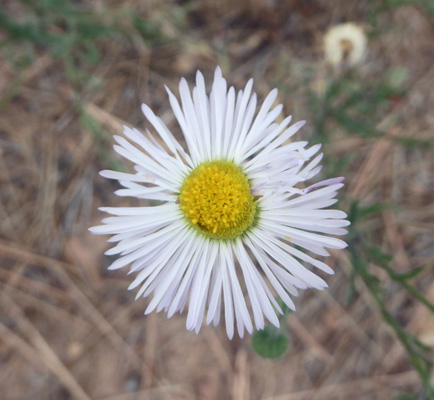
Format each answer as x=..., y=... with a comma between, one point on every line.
x=227, y=297
x=245, y=266
x=184, y=287
x=240, y=113
x=241, y=311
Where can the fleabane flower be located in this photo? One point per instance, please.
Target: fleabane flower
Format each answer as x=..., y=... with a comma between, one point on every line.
x=345, y=43
x=231, y=212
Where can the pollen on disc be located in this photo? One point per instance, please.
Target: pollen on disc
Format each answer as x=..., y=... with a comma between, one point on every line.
x=215, y=197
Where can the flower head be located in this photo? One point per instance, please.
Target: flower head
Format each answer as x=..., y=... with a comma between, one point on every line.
x=228, y=215
x=345, y=43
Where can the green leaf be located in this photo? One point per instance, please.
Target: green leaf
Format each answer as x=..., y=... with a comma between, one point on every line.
x=409, y=275
x=149, y=30
x=357, y=213
x=353, y=213
x=270, y=342
x=376, y=208
x=378, y=255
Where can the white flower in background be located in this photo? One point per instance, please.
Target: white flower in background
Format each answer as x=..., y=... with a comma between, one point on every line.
x=345, y=43
x=227, y=211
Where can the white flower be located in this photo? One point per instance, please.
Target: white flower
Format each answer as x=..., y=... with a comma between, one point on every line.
x=345, y=42
x=227, y=211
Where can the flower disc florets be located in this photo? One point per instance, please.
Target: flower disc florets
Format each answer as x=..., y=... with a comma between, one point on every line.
x=216, y=199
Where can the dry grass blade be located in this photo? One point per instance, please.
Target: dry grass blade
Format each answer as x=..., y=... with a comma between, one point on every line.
x=46, y=354
x=92, y=312
x=241, y=383
x=8, y=249
x=105, y=118
x=149, y=393
x=346, y=389
x=309, y=341
x=72, y=73
x=360, y=184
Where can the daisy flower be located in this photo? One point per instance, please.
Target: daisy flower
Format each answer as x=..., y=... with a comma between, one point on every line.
x=345, y=43
x=223, y=224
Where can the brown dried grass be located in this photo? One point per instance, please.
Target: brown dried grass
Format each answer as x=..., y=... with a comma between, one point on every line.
x=69, y=329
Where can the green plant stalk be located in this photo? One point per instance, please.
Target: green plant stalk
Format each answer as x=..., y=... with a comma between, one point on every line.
x=412, y=290
x=420, y=362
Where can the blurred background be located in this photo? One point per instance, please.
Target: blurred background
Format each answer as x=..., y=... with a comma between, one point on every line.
x=72, y=72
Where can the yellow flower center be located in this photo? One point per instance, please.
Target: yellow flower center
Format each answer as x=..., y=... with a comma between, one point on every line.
x=216, y=199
